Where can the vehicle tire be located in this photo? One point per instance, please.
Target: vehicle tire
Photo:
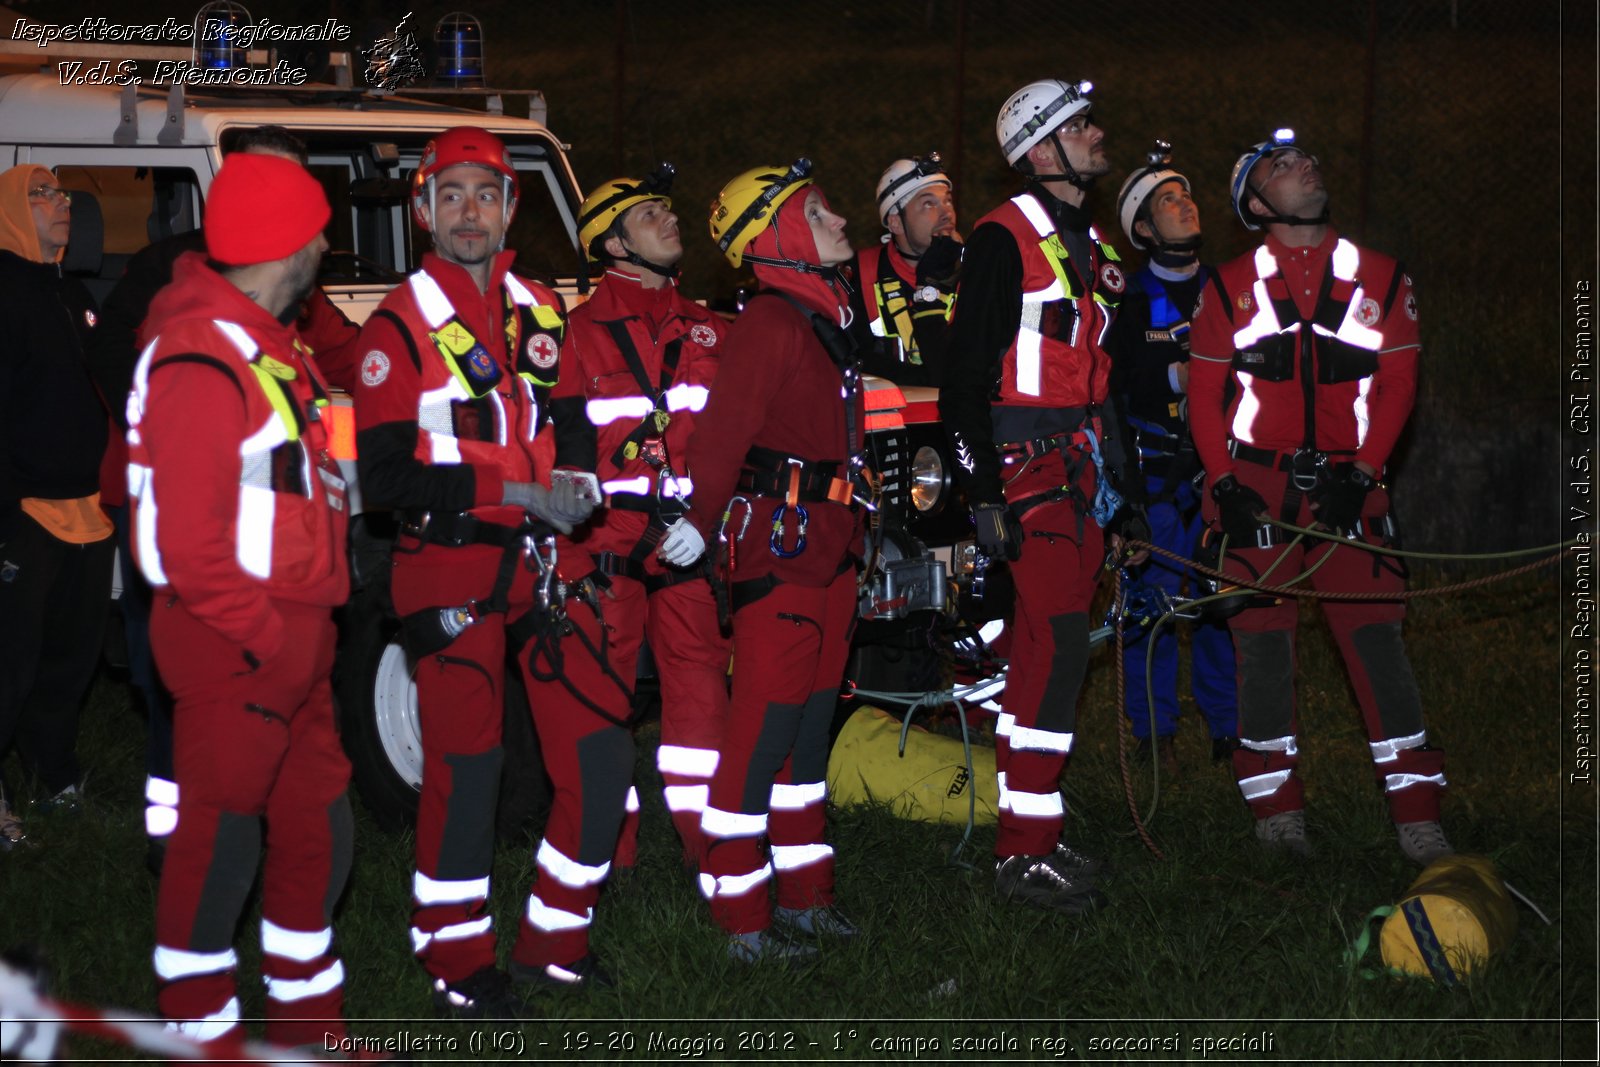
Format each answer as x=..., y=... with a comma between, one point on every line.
x=378, y=711
x=383, y=739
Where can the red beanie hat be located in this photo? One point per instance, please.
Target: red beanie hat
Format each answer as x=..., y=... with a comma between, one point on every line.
x=262, y=208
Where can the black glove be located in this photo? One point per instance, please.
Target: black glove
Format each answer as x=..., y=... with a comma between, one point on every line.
x=1239, y=507
x=1338, y=502
x=938, y=264
x=1131, y=523
x=998, y=531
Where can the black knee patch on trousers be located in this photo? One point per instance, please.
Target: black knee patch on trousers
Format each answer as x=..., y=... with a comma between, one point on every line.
x=466, y=849
x=1394, y=687
x=605, y=772
x=780, y=725
x=1266, y=683
x=1058, y=709
x=235, y=853
x=342, y=846
x=811, y=742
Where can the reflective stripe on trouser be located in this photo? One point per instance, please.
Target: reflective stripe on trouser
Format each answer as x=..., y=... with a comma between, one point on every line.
x=1211, y=669
x=160, y=806
x=460, y=711
x=1055, y=581
x=691, y=656
x=248, y=745
x=1367, y=633
x=590, y=762
x=795, y=641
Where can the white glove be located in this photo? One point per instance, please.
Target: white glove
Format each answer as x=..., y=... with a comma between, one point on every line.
x=682, y=544
x=561, y=506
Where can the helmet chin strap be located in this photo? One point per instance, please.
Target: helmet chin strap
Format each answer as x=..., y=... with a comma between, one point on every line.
x=1287, y=220
x=1068, y=173
x=639, y=261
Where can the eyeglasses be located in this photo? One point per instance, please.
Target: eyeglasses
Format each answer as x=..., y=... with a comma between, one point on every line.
x=50, y=194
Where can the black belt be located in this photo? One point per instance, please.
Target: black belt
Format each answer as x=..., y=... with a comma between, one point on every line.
x=1282, y=460
x=1038, y=446
x=633, y=502
x=454, y=529
x=613, y=565
x=768, y=472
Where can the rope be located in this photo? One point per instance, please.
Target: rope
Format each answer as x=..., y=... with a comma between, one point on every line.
x=1122, y=730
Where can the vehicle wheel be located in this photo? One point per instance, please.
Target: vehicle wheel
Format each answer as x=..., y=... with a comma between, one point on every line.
x=383, y=738
x=378, y=712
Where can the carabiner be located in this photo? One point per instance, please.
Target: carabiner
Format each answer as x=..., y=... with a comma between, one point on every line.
x=776, y=541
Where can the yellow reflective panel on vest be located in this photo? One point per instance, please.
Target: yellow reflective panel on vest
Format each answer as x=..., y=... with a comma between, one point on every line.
x=277, y=369
x=278, y=397
x=454, y=338
x=1055, y=253
x=547, y=317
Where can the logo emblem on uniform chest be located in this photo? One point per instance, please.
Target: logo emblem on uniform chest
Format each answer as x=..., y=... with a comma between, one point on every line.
x=1112, y=278
x=701, y=334
x=1246, y=302
x=543, y=350
x=1367, y=313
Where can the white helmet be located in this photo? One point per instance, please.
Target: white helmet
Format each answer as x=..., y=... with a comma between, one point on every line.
x=906, y=178
x=1156, y=172
x=1034, y=111
x=1239, y=188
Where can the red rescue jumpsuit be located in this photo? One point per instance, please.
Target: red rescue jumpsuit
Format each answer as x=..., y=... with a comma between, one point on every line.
x=433, y=440
x=240, y=528
x=1030, y=325
x=1253, y=332
x=778, y=390
x=623, y=333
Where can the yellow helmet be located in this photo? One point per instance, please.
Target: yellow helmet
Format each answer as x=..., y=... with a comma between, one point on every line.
x=747, y=204
x=602, y=208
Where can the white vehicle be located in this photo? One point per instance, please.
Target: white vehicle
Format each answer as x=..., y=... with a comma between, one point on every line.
x=139, y=159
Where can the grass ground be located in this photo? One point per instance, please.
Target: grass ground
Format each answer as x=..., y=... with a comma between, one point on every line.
x=1217, y=941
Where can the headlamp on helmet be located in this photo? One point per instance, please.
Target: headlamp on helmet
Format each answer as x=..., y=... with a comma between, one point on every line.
x=1134, y=199
x=746, y=205
x=1241, y=190
x=904, y=179
x=601, y=212
x=1035, y=110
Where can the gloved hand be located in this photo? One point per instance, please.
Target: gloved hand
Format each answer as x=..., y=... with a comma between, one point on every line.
x=1130, y=523
x=562, y=507
x=1240, y=508
x=938, y=264
x=681, y=545
x=1338, y=502
x=998, y=532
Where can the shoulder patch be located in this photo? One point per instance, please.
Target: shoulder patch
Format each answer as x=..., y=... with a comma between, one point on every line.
x=543, y=350
x=701, y=334
x=1199, y=304
x=1411, y=305
x=90, y=318
x=374, y=368
x=1113, y=278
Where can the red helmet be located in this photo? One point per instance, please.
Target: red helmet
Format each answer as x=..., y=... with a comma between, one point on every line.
x=457, y=145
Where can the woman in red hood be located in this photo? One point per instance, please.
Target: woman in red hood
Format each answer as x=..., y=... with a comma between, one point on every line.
x=774, y=488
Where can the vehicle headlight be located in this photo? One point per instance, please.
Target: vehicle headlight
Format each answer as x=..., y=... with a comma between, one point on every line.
x=928, y=479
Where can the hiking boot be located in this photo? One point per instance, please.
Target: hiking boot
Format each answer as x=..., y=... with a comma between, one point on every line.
x=484, y=994
x=824, y=920
x=584, y=973
x=1222, y=748
x=1423, y=842
x=1045, y=882
x=12, y=834
x=1070, y=861
x=1285, y=831
x=770, y=947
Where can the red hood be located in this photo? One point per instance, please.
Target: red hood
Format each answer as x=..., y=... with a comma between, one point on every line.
x=789, y=238
x=198, y=292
